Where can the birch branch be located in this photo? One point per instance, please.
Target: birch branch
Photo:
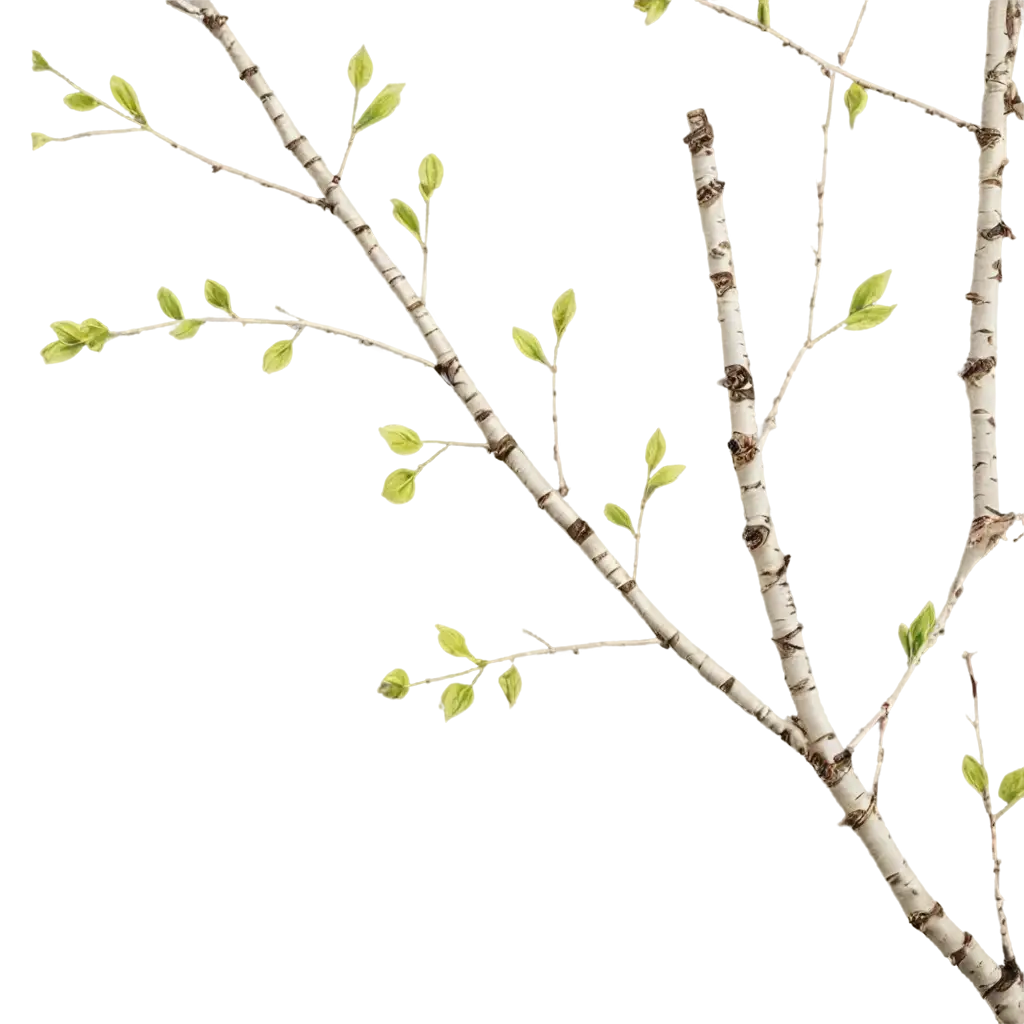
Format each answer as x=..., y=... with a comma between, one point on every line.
x=925, y=914
x=839, y=70
x=769, y=423
x=833, y=764
x=980, y=371
x=215, y=164
x=1004, y=928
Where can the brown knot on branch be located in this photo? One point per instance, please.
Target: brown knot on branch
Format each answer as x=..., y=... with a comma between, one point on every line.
x=738, y=381
x=448, y=369
x=1001, y=230
x=958, y=956
x=975, y=369
x=743, y=448
x=988, y=137
x=831, y=772
x=249, y=72
x=578, y=529
x=785, y=643
x=708, y=193
x=989, y=530
x=921, y=917
x=214, y=21
x=755, y=536
x=503, y=447
x=702, y=135
x=723, y=281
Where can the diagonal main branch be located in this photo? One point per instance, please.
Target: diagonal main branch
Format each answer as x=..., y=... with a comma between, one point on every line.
x=837, y=69
x=925, y=913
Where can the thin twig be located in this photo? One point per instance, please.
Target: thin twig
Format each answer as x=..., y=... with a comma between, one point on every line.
x=215, y=164
x=881, y=757
x=575, y=648
x=973, y=556
x=295, y=322
x=426, y=234
x=824, y=64
x=105, y=131
x=768, y=426
x=459, y=444
x=639, y=524
x=1004, y=928
x=540, y=638
x=563, y=487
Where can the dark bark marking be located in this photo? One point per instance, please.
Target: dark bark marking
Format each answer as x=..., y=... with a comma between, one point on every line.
x=362, y=227
x=743, y=448
x=579, y=531
x=755, y=536
x=266, y=96
x=448, y=369
x=738, y=382
x=707, y=194
x=727, y=686
x=921, y=917
x=722, y=281
x=309, y=163
x=249, y=72
x=1009, y=977
x=294, y=144
x=484, y=414
x=702, y=135
x=597, y=558
x=975, y=369
x=212, y=21
x=958, y=956
x=627, y=587
x=503, y=447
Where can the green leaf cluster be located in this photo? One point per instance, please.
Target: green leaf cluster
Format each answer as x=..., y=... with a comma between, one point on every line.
x=915, y=637
x=169, y=304
x=562, y=313
x=72, y=338
x=864, y=314
x=454, y=643
x=400, y=486
x=456, y=698
x=186, y=329
x=653, y=454
x=856, y=99
x=654, y=9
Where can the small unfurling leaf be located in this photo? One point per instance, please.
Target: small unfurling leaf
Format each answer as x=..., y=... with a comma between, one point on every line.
x=655, y=450
x=401, y=440
x=856, y=99
x=456, y=698
x=431, y=175
x=395, y=685
x=454, y=643
x=529, y=345
x=870, y=316
x=278, y=356
x=59, y=352
x=905, y=638
x=360, y=69
x=81, y=101
x=186, y=329
x=381, y=106
x=218, y=297
x=654, y=9
x=39, y=62
x=511, y=684
x=869, y=291
x=39, y=140
x=406, y=216
x=400, y=486
x=665, y=475
x=619, y=516
x=125, y=95
x=94, y=334
x=763, y=14
x=975, y=774
x=1012, y=786
x=563, y=311
x=169, y=304
x=919, y=630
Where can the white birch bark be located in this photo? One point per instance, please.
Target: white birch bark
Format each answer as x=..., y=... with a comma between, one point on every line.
x=999, y=985
x=1004, y=23
x=501, y=443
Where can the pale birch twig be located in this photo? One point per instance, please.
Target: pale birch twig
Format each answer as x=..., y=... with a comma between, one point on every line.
x=1004, y=928
x=833, y=764
x=980, y=372
x=105, y=131
x=215, y=164
x=839, y=70
x=925, y=914
x=563, y=487
x=973, y=556
x=769, y=424
x=426, y=235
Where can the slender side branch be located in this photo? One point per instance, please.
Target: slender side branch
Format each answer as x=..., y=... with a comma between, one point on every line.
x=215, y=164
x=105, y=131
x=838, y=70
x=769, y=423
x=925, y=914
x=563, y=487
x=426, y=235
x=1004, y=928
x=980, y=371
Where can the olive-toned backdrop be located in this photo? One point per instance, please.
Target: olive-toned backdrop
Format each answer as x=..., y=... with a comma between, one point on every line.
x=206, y=817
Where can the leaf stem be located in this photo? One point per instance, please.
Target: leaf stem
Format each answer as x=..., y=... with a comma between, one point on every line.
x=1004, y=928
x=826, y=66
x=639, y=524
x=563, y=487
x=105, y=131
x=440, y=451
x=426, y=233
x=460, y=444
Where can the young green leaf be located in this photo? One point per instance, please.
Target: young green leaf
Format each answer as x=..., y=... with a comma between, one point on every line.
x=400, y=486
x=187, y=329
x=431, y=175
x=455, y=699
x=453, y=642
x=871, y=316
x=655, y=450
x=81, y=101
x=511, y=684
x=401, y=440
x=218, y=297
x=856, y=99
x=975, y=774
x=1012, y=786
x=395, y=684
x=125, y=95
x=59, y=352
x=665, y=475
x=869, y=291
x=619, y=516
x=381, y=106
x=563, y=311
x=94, y=334
x=920, y=628
x=654, y=9
x=763, y=14
x=905, y=638
x=278, y=356
x=39, y=140
x=360, y=69
x=39, y=62
x=68, y=332
x=169, y=304
x=529, y=345
x=406, y=216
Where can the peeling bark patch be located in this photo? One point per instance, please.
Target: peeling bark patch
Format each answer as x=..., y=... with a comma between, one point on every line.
x=988, y=137
x=958, y=956
x=1001, y=230
x=727, y=686
x=921, y=917
x=266, y=96
x=707, y=194
x=212, y=21
x=503, y=447
x=294, y=144
x=738, y=382
x=722, y=281
x=249, y=72
x=628, y=586
x=579, y=531
x=484, y=414
x=702, y=135
x=1008, y=978
x=856, y=819
x=743, y=448
x=448, y=369
x=785, y=643
x=755, y=536
x=831, y=772
x=975, y=298
x=975, y=369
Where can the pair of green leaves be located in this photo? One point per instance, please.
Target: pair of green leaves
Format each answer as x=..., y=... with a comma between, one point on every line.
x=864, y=314
x=654, y=9
x=914, y=638
x=216, y=295
x=431, y=175
x=72, y=338
x=562, y=313
x=400, y=486
x=120, y=89
x=457, y=697
x=1011, y=788
x=653, y=454
x=856, y=99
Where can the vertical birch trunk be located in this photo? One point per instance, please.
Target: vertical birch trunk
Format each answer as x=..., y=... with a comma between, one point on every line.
x=981, y=369
x=925, y=914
